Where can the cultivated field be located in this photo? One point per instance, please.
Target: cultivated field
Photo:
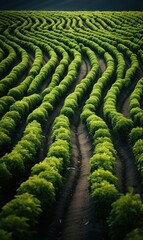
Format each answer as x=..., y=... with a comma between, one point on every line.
x=71, y=125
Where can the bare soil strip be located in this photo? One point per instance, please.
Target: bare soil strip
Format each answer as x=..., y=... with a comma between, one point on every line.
x=79, y=222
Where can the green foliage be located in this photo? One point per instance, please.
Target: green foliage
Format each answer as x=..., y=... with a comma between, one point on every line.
x=14, y=164
x=39, y=114
x=123, y=127
x=5, y=141
x=5, y=103
x=5, y=175
x=126, y=215
x=100, y=175
x=24, y=205
x=60, y=149
x=62, y=133
x=17, y=226
x=9, y=121
x=103, y=194
x=20, y=106
x=43, y=170
x=135, y=135
x=102, y=160
x=136, y=234
x=54, y=162
x=39, y=188
x=68, y=112
x=5, y=235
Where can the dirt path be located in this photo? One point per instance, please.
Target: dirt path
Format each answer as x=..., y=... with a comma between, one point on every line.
x=79, y=221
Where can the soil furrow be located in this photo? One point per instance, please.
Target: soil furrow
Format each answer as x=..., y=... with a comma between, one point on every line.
x=79, y=222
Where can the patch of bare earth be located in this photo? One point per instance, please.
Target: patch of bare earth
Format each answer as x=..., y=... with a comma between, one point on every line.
x=79, y=220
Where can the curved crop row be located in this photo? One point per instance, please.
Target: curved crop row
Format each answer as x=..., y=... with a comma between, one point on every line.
x=14, y=166
x=136, y=111
x=17, y=112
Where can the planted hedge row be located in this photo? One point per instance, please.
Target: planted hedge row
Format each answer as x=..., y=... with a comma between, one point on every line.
x=11, y=120
x=49, y=100
x=14, y=166
x=17, y=71
x=136, y=139
x=136, y=111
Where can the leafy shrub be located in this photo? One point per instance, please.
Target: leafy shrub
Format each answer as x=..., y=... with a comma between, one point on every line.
x=102, y=140
x=62, y=133
x=47, y=106
x=39, y=188
x=5, y=235
x=102, y=160
x=135, y=134
x=105, y=147
x=60, y=149
x=123, y=127
x=20, y=106
x=54, y=162
x=103, y=194
x=16, y=92
x=126, y=214
x=5, y=175
x=68, y=112
x=52, y=176
x=138, y=148
x=39, y=114
x=136, y=234
x=95, y=125
x=101, y=133
x=43, y=170
x=7, y=125
x=85, y=114
x=5, y=103
x=100, y=175
x=5, y=141
x=24, y=205
x=14, y=164
x=61, y=121
x=17, y=226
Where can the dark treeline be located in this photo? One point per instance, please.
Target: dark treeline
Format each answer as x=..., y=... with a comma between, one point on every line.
x=73, y=5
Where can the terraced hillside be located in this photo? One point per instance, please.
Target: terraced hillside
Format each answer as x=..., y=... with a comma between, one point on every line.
x=71, y=125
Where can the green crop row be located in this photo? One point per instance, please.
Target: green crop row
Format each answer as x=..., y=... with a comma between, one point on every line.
x=103, y=182
x=136, y=111
x=14, y=166
x=136, y=139
x=11, y=120
x=38, y=192
x=5, y=103
x=49, y=100
x=17, y=71
x=6, y=63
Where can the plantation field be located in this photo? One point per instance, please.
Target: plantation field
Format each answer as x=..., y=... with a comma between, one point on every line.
x=71, y=125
